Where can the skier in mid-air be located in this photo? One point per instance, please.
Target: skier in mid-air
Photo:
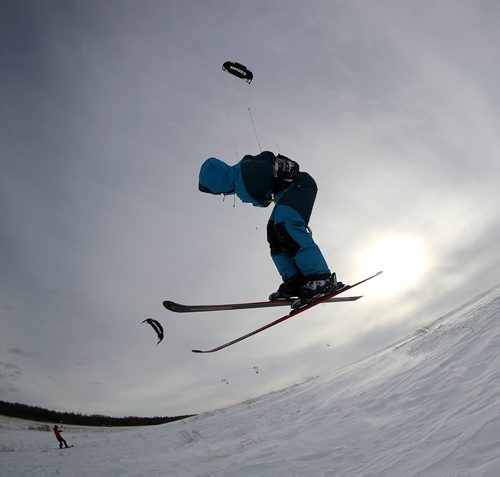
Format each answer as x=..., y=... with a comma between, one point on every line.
x=261, y=180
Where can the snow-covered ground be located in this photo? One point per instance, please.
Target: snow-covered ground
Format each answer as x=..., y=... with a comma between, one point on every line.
x=428, y=405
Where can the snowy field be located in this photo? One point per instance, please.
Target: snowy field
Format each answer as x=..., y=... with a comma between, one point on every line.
x=428, y=406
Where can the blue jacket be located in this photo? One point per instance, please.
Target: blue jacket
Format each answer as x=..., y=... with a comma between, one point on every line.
x=251, y=179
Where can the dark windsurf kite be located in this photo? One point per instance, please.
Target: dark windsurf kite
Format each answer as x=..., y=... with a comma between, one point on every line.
x=156, y=326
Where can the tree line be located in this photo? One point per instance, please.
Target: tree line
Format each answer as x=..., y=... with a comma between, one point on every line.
x=33, y=413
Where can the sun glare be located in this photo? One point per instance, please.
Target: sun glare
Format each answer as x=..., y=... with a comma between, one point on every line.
x=401, y=257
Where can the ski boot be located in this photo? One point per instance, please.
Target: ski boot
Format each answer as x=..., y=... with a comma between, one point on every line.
x=290, y=288
x=313, y=290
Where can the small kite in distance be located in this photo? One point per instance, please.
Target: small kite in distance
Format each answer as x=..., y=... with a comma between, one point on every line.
x=239, y=70
x=156, y=326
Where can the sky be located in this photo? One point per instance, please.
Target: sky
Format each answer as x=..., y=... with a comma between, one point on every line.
x=108, y=109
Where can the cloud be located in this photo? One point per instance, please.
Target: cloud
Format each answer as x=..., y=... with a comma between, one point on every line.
x=20, y=352
x=9, y=370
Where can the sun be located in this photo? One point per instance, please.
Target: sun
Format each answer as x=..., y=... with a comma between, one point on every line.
x=401, y=257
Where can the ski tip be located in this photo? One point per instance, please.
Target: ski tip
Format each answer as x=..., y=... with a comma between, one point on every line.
x=197, y=351
x=172, y=306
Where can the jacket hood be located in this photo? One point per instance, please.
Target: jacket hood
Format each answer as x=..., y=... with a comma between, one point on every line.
x=216, y=177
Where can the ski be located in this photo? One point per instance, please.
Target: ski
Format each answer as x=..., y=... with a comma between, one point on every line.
x=180, y=308
x=287, y=316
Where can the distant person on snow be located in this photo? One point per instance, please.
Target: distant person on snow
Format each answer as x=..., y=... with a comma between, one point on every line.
x=267, y=178
x=57, y=433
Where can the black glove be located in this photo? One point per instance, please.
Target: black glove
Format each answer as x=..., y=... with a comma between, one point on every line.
x=284, y=169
